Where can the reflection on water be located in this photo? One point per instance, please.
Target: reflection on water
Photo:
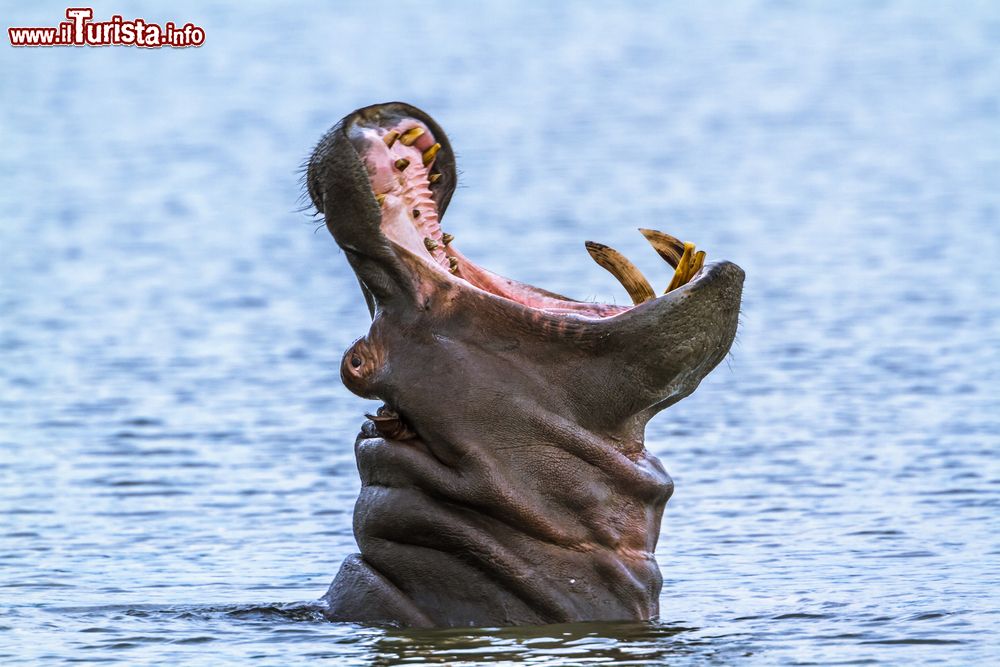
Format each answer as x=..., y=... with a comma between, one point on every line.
x=580, y=643
x=176, y=472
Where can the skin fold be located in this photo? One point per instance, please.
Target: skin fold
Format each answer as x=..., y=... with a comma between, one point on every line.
x=504, y=477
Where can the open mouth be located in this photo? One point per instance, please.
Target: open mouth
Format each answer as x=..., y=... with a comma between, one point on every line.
x=411, y=177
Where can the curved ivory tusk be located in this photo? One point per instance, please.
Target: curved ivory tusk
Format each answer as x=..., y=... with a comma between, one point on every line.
x=665, y=245
x=627, y=273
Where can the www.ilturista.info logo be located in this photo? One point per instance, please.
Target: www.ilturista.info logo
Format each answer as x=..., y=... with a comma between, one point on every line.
x=79, y=30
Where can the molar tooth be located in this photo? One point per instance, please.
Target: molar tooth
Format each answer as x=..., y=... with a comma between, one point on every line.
x=380, y=199
x=430, y=243
x=430, y=153
x=434, y=178
x=411, y=135
x=453, y=264
x=390, y=138
x=680, y=274
x=627, y=273
x=402, y=163
x=665, y=245
x=447, y=238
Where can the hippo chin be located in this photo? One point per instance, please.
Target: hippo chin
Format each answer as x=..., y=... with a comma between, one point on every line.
x=504, y=478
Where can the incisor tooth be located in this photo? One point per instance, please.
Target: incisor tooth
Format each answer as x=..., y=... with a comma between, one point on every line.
x=430, y=153
x=680, y=274
x=665, y=245
x=411, y=135
x=402, y=163
x=699, y=261
x=390, y=138
x=689, y=269
x=626, y=272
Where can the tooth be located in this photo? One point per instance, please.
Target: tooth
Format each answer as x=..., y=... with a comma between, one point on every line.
x=689, y=270
x=411, y=135
x=390, y=138
x=402, y=163
x=434, y=178
x=626, y=272
x=380, y=199
x=699, y=261
x=430, y=153
x=447, y=238
x=453, y=264
x=666, y=246
x=680, y=274
x=430, y=243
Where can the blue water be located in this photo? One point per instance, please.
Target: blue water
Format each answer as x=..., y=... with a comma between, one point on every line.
x=176, y=470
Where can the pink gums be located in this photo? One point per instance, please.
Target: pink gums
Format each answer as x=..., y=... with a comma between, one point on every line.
x=409, y=213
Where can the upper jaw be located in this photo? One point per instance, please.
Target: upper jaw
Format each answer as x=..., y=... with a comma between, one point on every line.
x=383, y=133
x=346, y=180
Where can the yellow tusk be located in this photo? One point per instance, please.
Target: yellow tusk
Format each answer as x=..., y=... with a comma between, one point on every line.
x=380, y=199
x=699, y=261
x=434, y=178
x=680, y=274
x=627, y=273
x=402, y=163
x=390, y=138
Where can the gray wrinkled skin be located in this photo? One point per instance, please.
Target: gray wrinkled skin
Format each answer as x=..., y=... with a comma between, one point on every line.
x=526, y=495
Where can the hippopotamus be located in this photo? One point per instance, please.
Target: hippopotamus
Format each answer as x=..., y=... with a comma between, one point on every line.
x=504, y=477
